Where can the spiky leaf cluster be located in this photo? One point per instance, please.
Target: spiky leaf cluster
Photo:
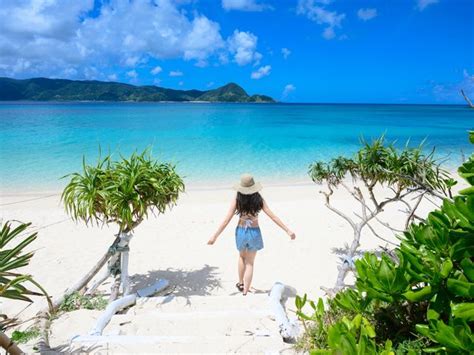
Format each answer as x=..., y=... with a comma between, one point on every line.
x=122, y=191
x=379, y=162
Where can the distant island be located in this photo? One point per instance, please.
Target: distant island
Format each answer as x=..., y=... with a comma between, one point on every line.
x=43, y=89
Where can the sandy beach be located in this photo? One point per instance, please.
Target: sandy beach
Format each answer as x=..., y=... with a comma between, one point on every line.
x=173, y=246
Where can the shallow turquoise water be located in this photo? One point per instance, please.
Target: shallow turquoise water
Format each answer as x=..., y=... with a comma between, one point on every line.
x=40, y=142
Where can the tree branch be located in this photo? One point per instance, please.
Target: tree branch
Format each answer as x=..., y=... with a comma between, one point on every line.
x=379, y=236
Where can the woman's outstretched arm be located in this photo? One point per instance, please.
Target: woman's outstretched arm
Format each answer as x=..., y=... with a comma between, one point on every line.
x=277, y=220
x=224, y=224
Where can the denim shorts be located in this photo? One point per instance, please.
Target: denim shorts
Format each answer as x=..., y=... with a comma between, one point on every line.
x=248, y=238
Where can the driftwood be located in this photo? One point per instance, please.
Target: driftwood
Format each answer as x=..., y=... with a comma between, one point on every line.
x=109, y=312
x=125, y=302
x=288, y=330
x=9, y=346
x=469, y=102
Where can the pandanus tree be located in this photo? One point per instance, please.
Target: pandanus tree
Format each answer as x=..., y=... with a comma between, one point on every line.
x=122, y=192
x=376, y=169
x=13, y=283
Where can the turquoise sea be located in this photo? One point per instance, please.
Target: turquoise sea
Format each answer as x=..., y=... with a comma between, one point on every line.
x=210, y=143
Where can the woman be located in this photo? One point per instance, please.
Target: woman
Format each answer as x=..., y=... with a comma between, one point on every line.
x=248, y=238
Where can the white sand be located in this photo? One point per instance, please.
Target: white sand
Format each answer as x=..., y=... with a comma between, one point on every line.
x=173, y=246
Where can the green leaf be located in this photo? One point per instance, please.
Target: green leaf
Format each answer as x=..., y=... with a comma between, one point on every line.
x=460, y=288
x=13, y=284
x=467, y=266
x=301, y=315
x=446, y=268
x=419, y=295
x=464, y=311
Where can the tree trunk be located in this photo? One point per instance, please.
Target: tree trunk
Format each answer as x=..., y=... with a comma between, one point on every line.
x=43, y=316
x=85, y=280
x=347, y=263
x=118, y=266
x=124, y=274
x=9, y=346
x=105, y=275
x=124, y=241
x=115, y=289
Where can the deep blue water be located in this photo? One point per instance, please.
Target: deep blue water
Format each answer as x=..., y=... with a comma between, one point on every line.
x=40, y=142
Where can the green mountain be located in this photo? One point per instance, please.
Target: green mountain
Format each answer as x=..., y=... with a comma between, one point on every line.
x=43, y=89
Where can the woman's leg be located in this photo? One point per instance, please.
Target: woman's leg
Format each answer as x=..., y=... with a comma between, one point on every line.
x=241, y=267
x=249, y=258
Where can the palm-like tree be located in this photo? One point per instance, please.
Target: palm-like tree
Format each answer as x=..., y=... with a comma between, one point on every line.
x=14, y=284
x=123, y=192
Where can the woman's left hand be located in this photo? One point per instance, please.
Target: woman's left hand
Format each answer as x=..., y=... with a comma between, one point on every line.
x=291, y=234
x=211, y=241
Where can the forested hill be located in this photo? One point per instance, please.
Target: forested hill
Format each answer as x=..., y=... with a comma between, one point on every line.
x=43, y=89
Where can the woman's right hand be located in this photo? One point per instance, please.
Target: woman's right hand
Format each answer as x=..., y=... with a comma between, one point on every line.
x=211, y=241
x=291, y=234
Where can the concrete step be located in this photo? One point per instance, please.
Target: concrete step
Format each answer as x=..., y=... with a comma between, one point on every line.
x=202, y=303
x=192, y=324
x=179, y=324
x=182, y=344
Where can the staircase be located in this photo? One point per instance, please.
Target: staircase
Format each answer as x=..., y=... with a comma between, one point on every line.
x=218, y=324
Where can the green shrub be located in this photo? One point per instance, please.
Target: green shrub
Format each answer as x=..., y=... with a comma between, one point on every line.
x=424, y=299
x=77, y=301
x=22, y=337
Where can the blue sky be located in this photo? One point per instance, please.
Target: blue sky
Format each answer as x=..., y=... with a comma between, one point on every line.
x=403, y=51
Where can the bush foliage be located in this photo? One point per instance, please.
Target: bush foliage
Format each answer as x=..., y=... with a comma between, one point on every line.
x=14, y=284
x=122, y=191
x=77, y=301
x=425, y=295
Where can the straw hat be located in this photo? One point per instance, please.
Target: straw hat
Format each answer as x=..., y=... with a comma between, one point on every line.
x=247, y=185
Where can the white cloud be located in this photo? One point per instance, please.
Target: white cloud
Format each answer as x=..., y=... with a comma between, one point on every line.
x=289, y=88
x=204, y=36
x=367, y=14
x=209, y=84
x=315, y=11
x=176, y=73
x=112, y=77
x=243, y=46
x=55, y=38
x=156, y=70
x=132, y=74
x=423, y=4
x=285, y=52
x=157, y=82
x=261, y=72
x=244, y=5
x=132, y=61
x=52, y=35
x=181, y=83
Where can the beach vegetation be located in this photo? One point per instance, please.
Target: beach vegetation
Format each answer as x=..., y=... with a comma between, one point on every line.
x=376, y=176
x=24, y=336
x=15, y=285
x=77, y=301
x=121, y=192
x=421, y=299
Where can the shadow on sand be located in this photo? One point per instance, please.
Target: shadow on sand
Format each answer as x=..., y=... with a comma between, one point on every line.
x=185, y=283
